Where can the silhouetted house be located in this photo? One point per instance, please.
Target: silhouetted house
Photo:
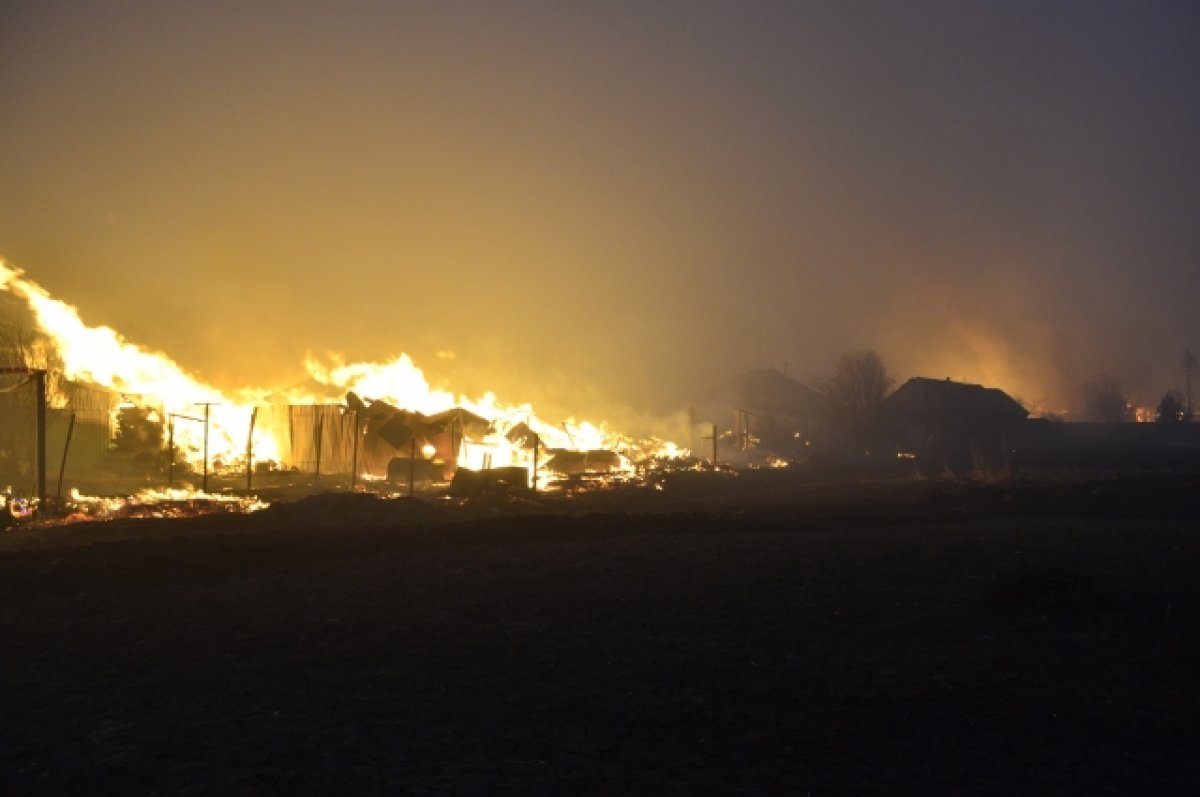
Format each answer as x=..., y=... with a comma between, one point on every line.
x=762, y=410
x=952, y=423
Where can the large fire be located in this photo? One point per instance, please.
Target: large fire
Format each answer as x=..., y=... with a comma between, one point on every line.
x=101, y=356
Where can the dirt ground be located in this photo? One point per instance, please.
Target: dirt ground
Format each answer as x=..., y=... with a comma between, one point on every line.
x=712, y=637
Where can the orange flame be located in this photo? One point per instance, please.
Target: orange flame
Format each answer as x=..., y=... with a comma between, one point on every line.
x=101, y=355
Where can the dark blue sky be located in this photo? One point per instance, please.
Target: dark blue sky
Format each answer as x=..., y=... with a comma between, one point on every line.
x=595, y=202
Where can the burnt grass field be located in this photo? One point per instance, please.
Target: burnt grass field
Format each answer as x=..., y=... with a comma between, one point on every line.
x=767, y=635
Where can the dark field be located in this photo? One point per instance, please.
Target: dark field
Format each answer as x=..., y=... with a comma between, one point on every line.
x=918, y=637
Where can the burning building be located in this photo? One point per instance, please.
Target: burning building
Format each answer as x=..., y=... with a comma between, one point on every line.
x=377, y=420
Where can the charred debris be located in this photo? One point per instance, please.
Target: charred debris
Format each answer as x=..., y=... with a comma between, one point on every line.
x=469, y=452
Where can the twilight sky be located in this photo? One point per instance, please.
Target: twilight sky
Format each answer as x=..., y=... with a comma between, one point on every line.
x=610, y=203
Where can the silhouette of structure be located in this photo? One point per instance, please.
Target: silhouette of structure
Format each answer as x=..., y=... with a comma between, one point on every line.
x=765, y=411
x=957, y=424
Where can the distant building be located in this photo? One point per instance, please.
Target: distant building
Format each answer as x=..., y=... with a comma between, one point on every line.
x=957, y=424
x=762, y=411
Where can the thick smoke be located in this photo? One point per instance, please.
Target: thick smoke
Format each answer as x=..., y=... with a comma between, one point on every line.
x=608, y=209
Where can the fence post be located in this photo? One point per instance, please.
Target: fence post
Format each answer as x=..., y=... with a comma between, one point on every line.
x=354, y=456
x=320, y=430
x=537, y=441
x=250, y=451
x=63, y=467
x=40, y=387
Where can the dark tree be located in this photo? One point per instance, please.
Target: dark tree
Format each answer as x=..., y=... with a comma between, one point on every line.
x=138, y=429
x=1106, y=400
x=1171, y=409
x=858, y=383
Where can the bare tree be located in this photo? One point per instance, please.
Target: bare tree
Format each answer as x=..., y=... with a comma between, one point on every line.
x=858, y=383
x=1106, y=400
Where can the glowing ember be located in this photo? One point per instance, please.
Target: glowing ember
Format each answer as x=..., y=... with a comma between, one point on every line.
x=146, y=503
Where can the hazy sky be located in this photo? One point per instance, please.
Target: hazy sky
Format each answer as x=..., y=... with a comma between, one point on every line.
x=616, y=201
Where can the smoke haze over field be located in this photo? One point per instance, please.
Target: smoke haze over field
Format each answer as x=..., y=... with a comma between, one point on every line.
x=615, y=203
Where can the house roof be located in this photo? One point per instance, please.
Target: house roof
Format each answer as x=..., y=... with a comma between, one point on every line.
x=944, y=397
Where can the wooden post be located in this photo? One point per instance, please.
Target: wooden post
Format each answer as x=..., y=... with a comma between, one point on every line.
x=714, y=441
x=537, y=441
x=40, y=388
x=171, y=451
x=250, y=451
x=208, y=405
x=63, y=467
x=204, y=485
x=320, y=428
x=354, y=456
